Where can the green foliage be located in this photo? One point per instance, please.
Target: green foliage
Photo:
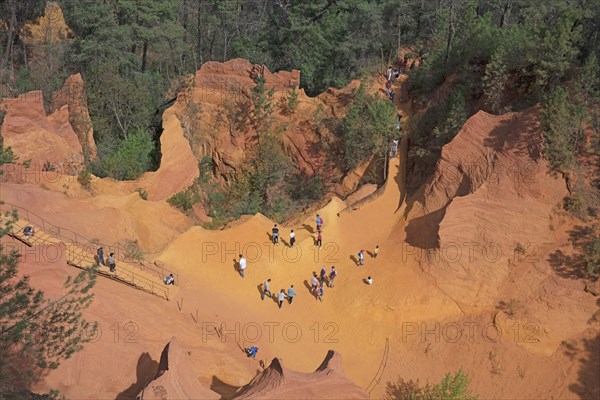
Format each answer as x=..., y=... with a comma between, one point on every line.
x=438, y=126
x=6, y=155
x=574, y=205
x=262, y=102
x=451, y=387
x=23, y=81
x=367, y=127
x=559, y=130
x=36, y=331
x=184, y=200
x=142, y=192
x=124, y=158
x=592, y=257
x=494, y=81
x=85, y=179
x=292, y=100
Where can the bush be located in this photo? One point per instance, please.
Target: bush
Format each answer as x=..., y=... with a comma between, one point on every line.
x=292, y=100
x=592, y=257
x=451, y=387
x=184, y=200
x=574, y=205
x=143, y=193
x=85, y=179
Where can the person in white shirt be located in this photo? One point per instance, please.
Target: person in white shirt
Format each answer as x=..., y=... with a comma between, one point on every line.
x=281, y=297
x=315, y=283
x=369, y=281
x=292, y=238
x=242, y=263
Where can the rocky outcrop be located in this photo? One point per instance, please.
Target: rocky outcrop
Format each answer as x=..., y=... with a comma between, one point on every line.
x=175, y=378
x=216, y=112
x=178, y=166
x=43, y=139
x=327, y=382
x=50, y=28
x=490, y=190
x=73, y=97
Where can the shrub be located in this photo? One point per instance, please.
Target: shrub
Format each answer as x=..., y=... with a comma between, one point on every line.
x=85, y=179
x=292, y=100
x=143, y=193
x=451, y=387
x=592, y=257
x=184, y=200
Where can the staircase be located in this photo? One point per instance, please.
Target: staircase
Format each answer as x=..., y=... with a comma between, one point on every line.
x=81, y=252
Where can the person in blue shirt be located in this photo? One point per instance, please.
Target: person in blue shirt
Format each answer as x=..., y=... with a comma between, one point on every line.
x=251, y=351
x=291, y=293
x=100, y=253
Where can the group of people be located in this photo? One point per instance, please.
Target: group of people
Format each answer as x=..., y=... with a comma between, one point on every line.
x=281, y=296
x=275, y=236
x=391, y=76
x=318, y=282
x=112, y=265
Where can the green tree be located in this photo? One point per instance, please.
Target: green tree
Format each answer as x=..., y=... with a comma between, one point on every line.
x=494, y=81
x=592, y=257
x=367, y=127
x=36, y=331
x=559, y=130
x=262, y=102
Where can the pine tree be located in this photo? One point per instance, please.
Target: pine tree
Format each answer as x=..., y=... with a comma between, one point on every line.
x=36, y=331
x=559, y=130
x=494, y=81
x=262, y=100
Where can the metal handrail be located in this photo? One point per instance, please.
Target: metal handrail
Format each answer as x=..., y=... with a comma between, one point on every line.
x=123, y=274
x=80, y=240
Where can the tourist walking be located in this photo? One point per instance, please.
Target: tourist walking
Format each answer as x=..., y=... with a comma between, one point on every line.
x=292, y=238
x=319, y=223
x=323, y=274
x=291, y=293
x=320, y=292
x=376, y=251
x=266, y=289
x=275, y=235
x=100, y=254
x=319, y=239
x=388, y=73
x=242, y=264
x=369, y=281
x=361, y=258
x=314, y=283
x=332, y=275
x=281, y=297
x=111, y=262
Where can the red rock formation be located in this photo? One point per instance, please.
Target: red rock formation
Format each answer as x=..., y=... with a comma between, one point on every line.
x=175, y=378
x=327, y=382
x=215, y=113
x=490, y=190
x=38, y=137
x=72, y=95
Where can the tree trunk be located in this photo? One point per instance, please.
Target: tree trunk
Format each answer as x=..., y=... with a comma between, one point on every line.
x=144, y=56
x=12, y=31
x=505, y=14
x=199, y=29
x=399, y=43
x=451, y=31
